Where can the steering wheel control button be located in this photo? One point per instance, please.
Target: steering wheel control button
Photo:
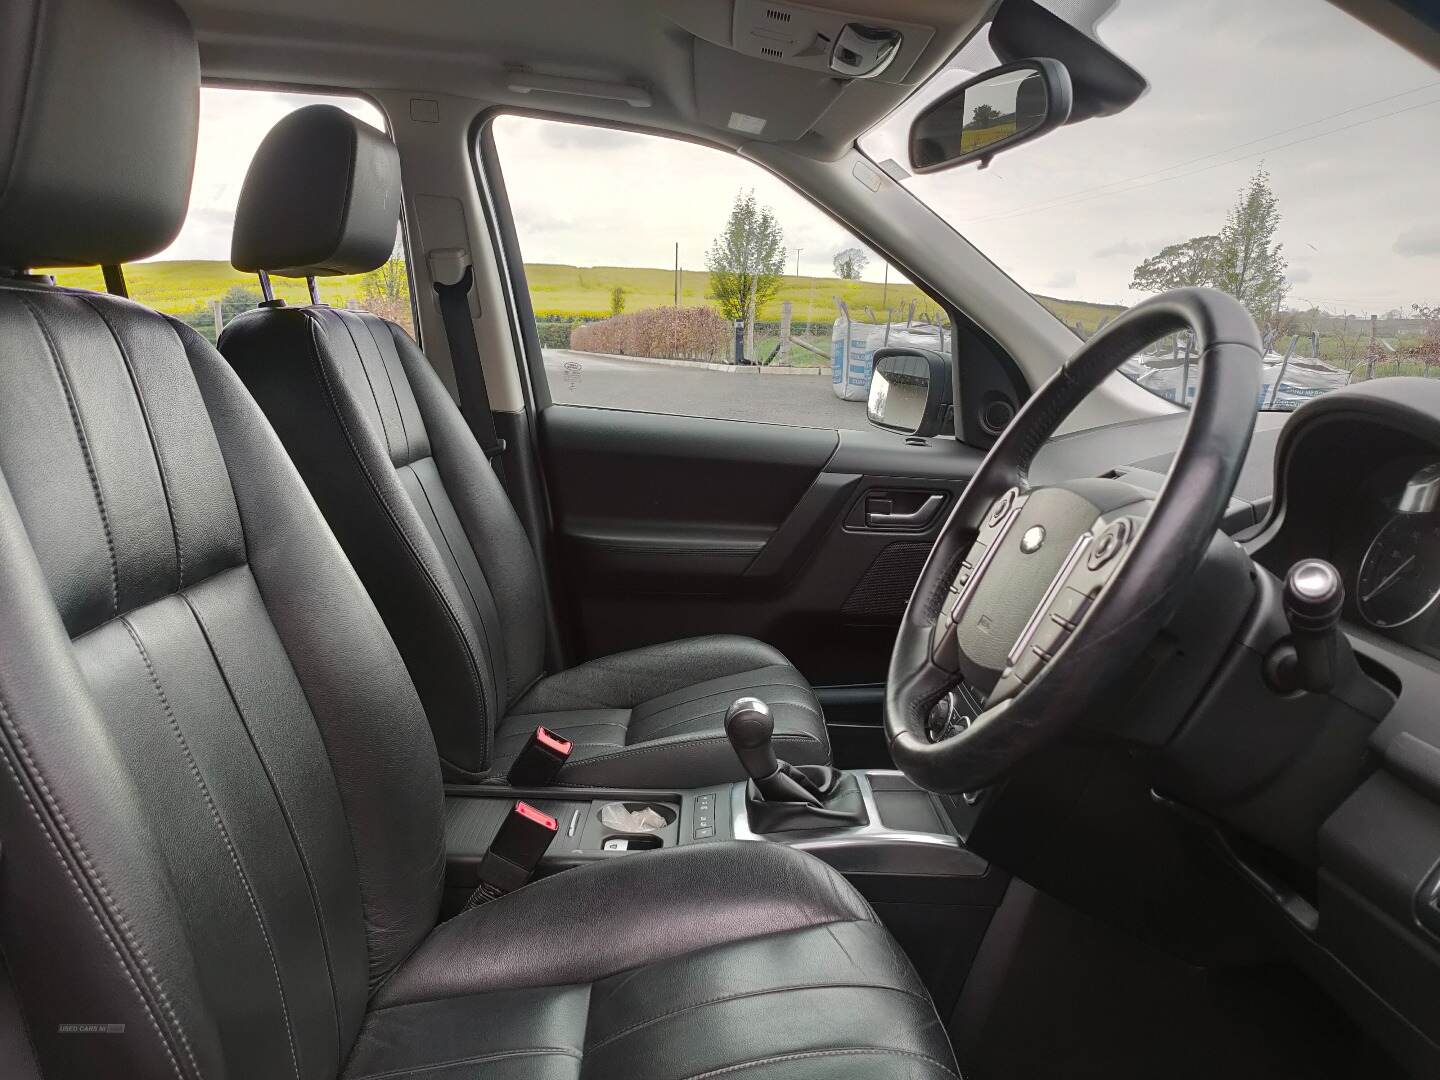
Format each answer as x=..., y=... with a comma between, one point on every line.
x=1109, y=543
x=1049, y=636
x=1029, y=665
x=1069, y=607
x=1002, y=508
x=973, y=558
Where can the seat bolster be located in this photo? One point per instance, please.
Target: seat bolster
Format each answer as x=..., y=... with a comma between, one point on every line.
x=597, y=920
x=290, y=359
x=679, y=762
x=624, y=680
x=368, y=713
x=497, y=537
x=657, y=714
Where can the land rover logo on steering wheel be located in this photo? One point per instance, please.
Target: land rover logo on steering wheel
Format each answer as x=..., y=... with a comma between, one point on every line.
x=1033, y=538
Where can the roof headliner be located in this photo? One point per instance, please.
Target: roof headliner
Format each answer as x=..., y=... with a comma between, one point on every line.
x=678, y=49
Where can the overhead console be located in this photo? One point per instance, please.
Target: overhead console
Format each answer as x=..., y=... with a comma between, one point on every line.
x=772, y=71
x=822, y=40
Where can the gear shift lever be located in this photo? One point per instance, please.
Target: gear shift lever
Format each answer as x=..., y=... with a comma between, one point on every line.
x=749, y=726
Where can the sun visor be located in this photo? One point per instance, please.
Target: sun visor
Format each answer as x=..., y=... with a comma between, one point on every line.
x=754, y=99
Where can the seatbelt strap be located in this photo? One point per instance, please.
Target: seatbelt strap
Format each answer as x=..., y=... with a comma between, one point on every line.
x=469, y=371
x=115, y=280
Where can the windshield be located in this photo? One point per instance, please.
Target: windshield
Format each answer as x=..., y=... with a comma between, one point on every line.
x=1285, y=153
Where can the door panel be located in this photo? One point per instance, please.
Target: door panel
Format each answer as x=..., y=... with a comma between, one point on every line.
x=672, y=526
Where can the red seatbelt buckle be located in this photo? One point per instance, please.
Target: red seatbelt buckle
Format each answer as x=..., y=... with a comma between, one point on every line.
x=519, y=845
x=540, y=762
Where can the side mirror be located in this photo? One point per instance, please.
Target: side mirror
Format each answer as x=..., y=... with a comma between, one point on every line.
x=1004, y=107
x=910, y=392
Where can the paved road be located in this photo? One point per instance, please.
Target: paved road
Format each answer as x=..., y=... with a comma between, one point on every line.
x=581, y=378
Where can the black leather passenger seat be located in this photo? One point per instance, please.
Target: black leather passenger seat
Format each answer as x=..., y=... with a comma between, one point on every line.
x=425, y=520
x=220, y=802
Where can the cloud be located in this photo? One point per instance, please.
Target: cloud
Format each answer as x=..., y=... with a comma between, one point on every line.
x=1299, y=276
x=582, y=137
x=1121, y=247
x=1419, y=240
x=1061, y=279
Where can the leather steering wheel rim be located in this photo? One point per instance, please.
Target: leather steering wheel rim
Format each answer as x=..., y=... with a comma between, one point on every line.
x=1146, y=581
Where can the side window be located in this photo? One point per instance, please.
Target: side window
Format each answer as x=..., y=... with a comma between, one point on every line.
x=192, y=278
x=673, y=278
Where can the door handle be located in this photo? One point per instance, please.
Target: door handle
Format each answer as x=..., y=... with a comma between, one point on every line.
x=918, y=518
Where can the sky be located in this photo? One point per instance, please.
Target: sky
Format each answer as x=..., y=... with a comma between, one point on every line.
x=1346, y=122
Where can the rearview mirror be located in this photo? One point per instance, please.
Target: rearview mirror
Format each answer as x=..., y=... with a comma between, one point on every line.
x=1004, y=107
x=910, y=392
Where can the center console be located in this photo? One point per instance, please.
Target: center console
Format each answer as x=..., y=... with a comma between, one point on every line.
x=901, y=846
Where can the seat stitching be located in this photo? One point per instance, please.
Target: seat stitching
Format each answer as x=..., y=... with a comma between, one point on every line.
x=801, y=685
x=369, y=382
x=561, y=729
x=112, y=909
x=839, y=1051
x=636, y=749
x=379, y=497
x=180, y=329
x=224, y=836
x=399, y=409
x=310, y=880
x=465, y=581
x=150, y=434
x=83, y=439
x=744, y=995
x=478, y=1059
x=721, y=712
x=105, y=932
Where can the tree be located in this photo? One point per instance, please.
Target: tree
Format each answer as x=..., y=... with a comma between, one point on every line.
x=850, y=263
x=1249, y=265
x=984, y=116
x=238, y=298
x=617, y=300
x=745, y=261
x=1177, y=266
x=386, y=289
x=1242, y=259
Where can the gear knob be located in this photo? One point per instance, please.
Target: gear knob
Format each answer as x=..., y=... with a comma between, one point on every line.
x=749, y=726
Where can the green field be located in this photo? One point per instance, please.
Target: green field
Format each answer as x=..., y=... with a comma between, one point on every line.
x=181, y=287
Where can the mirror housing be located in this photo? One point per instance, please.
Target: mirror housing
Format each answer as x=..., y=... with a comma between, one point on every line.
x=910, y=392
x=1006, y=106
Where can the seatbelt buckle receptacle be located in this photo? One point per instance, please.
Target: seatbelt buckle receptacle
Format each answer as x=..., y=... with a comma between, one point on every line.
x=540, y=762
x=517, y=849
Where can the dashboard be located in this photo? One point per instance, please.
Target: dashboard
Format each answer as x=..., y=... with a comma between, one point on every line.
x=1367, y=498
x=1352, y=477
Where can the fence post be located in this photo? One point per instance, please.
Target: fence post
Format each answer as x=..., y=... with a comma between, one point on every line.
x=218, y=314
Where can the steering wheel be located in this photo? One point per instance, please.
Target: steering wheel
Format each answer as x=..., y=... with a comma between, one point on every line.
x=1040, y=597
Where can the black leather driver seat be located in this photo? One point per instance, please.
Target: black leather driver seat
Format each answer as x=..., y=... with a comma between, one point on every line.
x=220, y=803
x=432, y=533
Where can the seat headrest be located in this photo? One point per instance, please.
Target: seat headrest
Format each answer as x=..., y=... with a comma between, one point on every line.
x=98, y=110
x=322, y=197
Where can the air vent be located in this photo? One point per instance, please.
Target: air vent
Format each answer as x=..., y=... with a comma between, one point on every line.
x=774, y=54
x=778, y=15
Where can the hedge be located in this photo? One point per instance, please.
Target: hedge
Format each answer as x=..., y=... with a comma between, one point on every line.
x=694, y=333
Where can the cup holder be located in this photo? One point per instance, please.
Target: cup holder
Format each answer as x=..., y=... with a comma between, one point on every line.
x=638, y=818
